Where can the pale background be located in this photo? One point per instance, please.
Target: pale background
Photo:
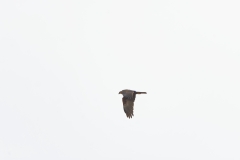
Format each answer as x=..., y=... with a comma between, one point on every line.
x=62, y=64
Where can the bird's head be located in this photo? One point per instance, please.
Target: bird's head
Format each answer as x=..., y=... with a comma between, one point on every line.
x=120, y=92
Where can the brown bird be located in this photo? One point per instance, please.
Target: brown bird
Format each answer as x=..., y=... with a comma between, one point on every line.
x=128, y=101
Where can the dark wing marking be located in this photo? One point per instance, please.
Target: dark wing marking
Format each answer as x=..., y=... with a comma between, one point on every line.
x=128, y=105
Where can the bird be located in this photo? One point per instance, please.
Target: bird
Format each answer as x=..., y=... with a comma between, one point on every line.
x=128, y=101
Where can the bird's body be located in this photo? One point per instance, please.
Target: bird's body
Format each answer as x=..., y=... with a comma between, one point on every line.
x=128, y=101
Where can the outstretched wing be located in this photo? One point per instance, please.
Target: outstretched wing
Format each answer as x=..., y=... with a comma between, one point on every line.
x=128, y=105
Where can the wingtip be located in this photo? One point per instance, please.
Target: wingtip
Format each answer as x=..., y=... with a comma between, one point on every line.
x=130, y=116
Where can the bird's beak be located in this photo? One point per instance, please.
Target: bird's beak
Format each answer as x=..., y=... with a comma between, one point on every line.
x=120, y=92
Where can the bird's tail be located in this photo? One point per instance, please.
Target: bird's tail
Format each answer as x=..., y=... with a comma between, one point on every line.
x=141, y=92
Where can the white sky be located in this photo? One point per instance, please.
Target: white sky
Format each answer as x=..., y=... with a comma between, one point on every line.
x=62, y=64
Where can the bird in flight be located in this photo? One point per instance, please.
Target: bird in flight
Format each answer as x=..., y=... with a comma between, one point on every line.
x=128, y=101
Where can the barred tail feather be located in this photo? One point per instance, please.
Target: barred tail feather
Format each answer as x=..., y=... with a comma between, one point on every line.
x=141, y=92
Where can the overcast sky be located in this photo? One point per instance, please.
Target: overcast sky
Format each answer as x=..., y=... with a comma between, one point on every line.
x=62, y=64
